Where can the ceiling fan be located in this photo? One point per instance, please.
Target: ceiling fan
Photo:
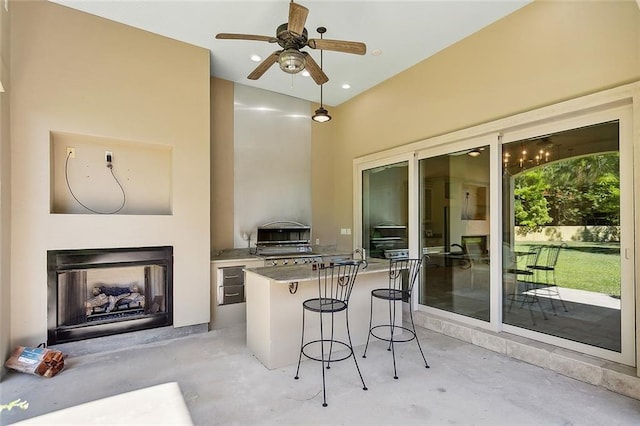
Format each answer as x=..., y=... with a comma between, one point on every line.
x=292, y=36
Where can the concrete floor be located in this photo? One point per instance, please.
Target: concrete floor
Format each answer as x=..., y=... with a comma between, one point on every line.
x=223, y=384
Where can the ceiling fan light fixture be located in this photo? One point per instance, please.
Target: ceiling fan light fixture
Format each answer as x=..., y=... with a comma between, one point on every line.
x=321, y=115
x=291, y=61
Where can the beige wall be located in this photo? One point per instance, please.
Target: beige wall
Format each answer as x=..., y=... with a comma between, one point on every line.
x=86, y=75
x=541, y=54
x=5, y=190
x=222, y=188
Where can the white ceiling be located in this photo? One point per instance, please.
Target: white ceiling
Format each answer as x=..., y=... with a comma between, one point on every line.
x=405, y=32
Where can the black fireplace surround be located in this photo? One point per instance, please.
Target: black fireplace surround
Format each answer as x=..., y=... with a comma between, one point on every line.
x=105, y=291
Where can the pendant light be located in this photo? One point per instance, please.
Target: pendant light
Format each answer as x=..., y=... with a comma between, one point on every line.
x=321, y=115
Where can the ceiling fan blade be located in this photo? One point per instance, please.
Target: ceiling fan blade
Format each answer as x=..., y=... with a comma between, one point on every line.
x=314, y=70
x=264, y=66
x=228, y=36
x=297, y=18
x=338, y=45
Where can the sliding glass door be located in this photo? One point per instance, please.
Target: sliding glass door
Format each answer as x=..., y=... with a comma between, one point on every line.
x=454, y=232
x=567, y=271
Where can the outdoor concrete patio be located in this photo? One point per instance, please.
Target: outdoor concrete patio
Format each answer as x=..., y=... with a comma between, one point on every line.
x=222, y=383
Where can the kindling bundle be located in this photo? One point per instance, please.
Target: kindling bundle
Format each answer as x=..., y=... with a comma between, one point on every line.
x=39, y=361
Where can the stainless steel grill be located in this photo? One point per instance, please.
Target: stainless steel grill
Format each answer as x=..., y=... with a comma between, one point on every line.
x=283, y=238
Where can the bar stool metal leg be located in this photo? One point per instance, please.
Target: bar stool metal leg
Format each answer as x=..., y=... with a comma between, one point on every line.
x=364, y=386
x=413, y=326
x=301, y=345
x=392, y=321
x=330, y=343
x=324, y=386
x=364, y=355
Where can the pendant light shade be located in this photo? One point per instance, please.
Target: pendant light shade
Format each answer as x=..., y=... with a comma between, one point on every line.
x=321, y=115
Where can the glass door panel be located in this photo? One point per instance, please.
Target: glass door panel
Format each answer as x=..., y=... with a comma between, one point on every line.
x=562, y=272
x=454, y=232
x=385, y=211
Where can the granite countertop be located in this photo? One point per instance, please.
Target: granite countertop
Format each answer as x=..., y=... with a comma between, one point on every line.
x=249, y=254
x=287, y=274
x=234, y=254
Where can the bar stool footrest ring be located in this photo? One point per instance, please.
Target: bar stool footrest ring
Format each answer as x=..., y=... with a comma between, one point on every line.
x=399, y=339
x=342, y=345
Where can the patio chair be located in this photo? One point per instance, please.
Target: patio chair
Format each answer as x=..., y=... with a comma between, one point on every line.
x=477, y=257
x=524, y=291
x=545, y=275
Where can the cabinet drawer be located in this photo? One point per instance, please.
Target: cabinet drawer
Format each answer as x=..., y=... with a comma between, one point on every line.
x=232, y=294
x=232, y=275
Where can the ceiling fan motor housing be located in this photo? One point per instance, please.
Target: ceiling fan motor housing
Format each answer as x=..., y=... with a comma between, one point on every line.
x=288, y=39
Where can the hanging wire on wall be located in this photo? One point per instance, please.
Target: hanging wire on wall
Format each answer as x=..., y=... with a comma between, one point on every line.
x=110, y=167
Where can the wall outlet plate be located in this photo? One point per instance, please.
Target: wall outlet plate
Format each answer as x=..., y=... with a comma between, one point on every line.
x=71, y=152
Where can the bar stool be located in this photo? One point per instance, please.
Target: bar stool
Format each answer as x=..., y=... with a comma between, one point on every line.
x=396, y=292
x=335, y=283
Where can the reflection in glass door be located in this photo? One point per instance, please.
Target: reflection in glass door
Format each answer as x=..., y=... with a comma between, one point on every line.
x=454, y=232
x=562, y=235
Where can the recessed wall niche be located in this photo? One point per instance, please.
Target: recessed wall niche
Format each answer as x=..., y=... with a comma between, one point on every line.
x=139, y=181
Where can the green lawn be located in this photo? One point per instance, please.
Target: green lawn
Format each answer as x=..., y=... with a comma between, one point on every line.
x=587, y=266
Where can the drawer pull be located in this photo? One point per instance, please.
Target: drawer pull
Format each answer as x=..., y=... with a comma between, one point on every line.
x=231, y=276
x=232, y=294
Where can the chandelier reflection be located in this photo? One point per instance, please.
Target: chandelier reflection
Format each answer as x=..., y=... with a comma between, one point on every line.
x=524, y=158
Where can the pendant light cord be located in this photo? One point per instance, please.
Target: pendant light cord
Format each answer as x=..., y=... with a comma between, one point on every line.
x=322, y=85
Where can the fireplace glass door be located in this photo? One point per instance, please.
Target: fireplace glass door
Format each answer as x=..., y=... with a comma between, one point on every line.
x=105, y=294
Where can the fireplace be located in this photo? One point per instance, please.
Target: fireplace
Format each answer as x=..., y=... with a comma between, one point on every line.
x=100, y=292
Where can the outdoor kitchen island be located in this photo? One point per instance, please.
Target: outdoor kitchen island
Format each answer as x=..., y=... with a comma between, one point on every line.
x=274, y=309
